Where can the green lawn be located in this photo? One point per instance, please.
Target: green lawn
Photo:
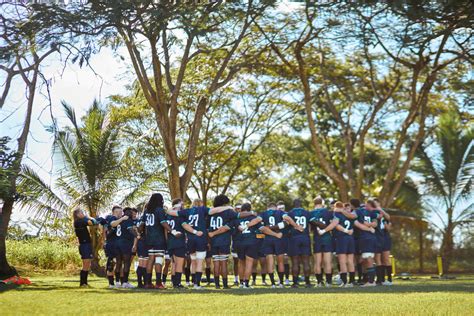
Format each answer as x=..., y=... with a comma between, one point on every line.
x=61, y=295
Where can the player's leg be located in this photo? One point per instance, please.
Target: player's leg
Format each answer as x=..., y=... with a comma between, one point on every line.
x=306, y=270
x=270, y=262
x=342, y=259
x=295, y=264
x=127, y=261
x=387, y=265
x=85, y=250
x=254, y=272
x=379, y=269
x=351, y=268
x=166, y=268
x=149, y=269
x=224, y=262
x=263, y=268
x=327, y=264
x=118, y=269
x=318, y=259
x=178, y=264
x=159, y=260
x=281, y=268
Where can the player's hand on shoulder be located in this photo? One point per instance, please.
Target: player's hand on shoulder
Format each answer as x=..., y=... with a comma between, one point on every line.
x=199, y=233
x=279, y=235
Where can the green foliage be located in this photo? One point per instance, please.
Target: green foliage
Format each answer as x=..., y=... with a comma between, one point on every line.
x=46, y=253
x=7, y=159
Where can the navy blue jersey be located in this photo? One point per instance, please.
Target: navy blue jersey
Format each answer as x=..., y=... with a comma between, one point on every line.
x=110, y=231
x=123, y=231
x=345, y=222
x=216, y=221
x=82, y=233
x=301, y=217
x=196, y=217
x=176, y=224
x=365, y=216
x=250, y=234
x=272, y=218
x=325, y=216
x=155, y=233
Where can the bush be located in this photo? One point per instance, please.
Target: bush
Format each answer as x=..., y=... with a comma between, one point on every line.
x=51, y=254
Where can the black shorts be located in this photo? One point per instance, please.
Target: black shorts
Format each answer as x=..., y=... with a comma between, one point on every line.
x=249, y=250
x=85, y=250
x=109, y=248
x=221, y=250
x=177, y=252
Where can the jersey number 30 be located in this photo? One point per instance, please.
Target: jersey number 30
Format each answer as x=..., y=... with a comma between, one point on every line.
x=150, y=220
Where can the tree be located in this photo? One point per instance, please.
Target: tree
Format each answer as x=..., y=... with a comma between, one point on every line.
x=161, y=34
x=89, y=175
x=448, y=178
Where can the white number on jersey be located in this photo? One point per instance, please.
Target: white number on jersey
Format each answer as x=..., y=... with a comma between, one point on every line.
x=367, y=219
x=216, y=222
x=245, y=224
x=150, y=219
x=119, y=231
x=347, y=224
x=301, y=220
x=193, y=219
x=171, y=223
x=382, y=223
x=271, y=220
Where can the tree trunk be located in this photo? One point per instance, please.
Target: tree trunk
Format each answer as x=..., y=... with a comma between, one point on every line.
x=447, y=247
x=6, y=270
x=96, y=246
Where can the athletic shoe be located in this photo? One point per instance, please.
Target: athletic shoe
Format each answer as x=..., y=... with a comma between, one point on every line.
x=111, y=286
x=236, y=283
x=179, y=287
x=308, y=285
x=342, y=285
x=218, y=287
x=388, y=283
x=160, y=286
x=295, y=286
x=188, y=284
x=368, y=285
x=328, y=285
x=241, y=286
x=318, y=285
x=274, y=286
x=127, y=285
x=149, y=286
x=197, y=287
x=281, y=286
x=225, y=287
x=253, y=283
x=264, y=283
x=118, y=285
x=349, y=285
x=287, y=282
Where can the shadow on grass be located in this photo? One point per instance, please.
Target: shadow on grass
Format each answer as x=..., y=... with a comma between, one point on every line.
x=408, y=287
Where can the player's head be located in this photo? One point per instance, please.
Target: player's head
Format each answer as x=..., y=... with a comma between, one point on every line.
x=246, y=207
x=177, y=204
x=370, y=205
x=272, y=206
x=347, y=206
x=339, y=206
x=117, y=211
x=297, y=203
x=355, y=203
x=238, y=207
x=155, y=201
x=78, y=213
x=318, y=201
x=281, y=205
x=134, y=213
x=198, y=203
x=128, y=212
x=221, y=200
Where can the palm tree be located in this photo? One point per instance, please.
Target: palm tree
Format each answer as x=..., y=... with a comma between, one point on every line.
x=89, y=174
x=448, y=173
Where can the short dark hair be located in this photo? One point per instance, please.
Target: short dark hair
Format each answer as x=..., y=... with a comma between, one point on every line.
x=271, y=204
x=246, y=207
x=176, y=201
x=355, y=203
x=297, y=203
x=221, y=200
x=127, y=211
x=318, y=201
x=115, y=207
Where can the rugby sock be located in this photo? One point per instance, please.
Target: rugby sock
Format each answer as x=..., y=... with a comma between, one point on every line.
x=164, y=277
x=86, y=274
x=388, y=273
x=148, y=279
x=177, y=278
x=125, y=277
x=272, y=278
x=139, y=275
x=295, y=279
x=380, y=274
x=371, y=274
x=117, y=277
x=352, y=277
x=281, y=276
x=287, y=270
x=246, y=283
x=236, y=279
x=264, y=276
x=254, y=277
x=319, y=278
x=158, y=278
x=365, y=277
x=82, y=277
x=328, y=278
x=111, y=279
x=198, y=276
x=208, y=275
x=225, y=282
x=193, y=278
x=306, y=280
x=187, y=273
x=344, y=277
x=217, y=281
x=359, y=272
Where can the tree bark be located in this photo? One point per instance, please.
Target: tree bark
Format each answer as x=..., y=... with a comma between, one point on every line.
x=6, y=270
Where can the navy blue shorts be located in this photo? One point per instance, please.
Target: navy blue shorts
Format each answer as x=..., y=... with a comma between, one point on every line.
x=142, y=251
x=320, y=246
x=248, y=250
x=178, y=252
x=109, y=249
x=285, y=242
x=299, y=246
x=368, y=244
x=379, y=243
x=124, y=247
x=196, y=244
x=220, y=250
x=85, y=250
x=356, y=246
x=387, y=243
x=158, y=249
x=345, y=245
x=274, y=246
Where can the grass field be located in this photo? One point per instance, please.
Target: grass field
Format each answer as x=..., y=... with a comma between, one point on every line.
x=61, y=295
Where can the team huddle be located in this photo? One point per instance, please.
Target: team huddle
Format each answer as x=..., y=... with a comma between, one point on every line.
x=181, y=240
